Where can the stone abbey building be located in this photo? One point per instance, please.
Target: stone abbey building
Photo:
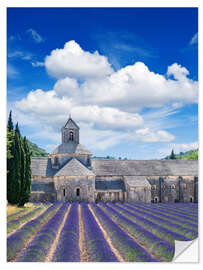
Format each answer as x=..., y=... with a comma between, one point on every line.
x=69, y=174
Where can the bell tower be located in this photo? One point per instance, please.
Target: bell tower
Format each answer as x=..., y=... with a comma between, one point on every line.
x=70, y=132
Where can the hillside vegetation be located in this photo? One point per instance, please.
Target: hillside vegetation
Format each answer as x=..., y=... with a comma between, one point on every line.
x=36, y=150
x=189, y=155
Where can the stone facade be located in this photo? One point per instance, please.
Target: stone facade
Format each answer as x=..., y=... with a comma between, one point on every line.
x=69, y=174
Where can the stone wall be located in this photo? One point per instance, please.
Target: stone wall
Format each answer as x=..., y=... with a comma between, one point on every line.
x=75, y=188
x=42, y=197
x=172, y=188
x=138, y=194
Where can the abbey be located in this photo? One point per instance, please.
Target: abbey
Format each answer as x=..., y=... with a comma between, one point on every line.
x=69, y=174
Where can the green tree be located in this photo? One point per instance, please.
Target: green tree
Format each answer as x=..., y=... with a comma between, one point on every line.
x=17, y=158
x=26, y=187
x=10, y=161
x=10, y=122
x=172, y=155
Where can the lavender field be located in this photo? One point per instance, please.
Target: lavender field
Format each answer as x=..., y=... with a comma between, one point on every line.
x=103, y=232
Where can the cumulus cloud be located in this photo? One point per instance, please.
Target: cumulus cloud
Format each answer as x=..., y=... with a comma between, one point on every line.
x=35, y=36
x=107, y=103
x=73, y=61
x=147, y=135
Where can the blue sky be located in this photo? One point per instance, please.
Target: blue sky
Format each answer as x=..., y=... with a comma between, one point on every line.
x=128, y=76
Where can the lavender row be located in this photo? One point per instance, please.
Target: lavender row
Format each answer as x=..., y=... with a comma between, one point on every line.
x=167, y=212
x=163, y=250
x=172, y=209
x=184, y=228
x=22, y=212
x=67, y=249
x=97, y=247
x=128, y=248
x=39, y=247
x=139, y=209
x=165, y=230
x=15, y=223
x=17, y=240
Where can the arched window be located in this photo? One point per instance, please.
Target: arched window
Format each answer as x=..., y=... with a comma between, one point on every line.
x=191, y=199
x=156, y=199
x=77, y=192
x=71, y=136
x=64, y=192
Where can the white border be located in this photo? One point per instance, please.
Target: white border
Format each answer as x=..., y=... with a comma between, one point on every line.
x=74, y=3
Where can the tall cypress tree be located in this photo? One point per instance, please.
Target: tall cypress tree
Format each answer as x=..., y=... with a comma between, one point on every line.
x=26, y=188
x=10, y=161
x=10, y=122
x=17, y=169
x=22, y=170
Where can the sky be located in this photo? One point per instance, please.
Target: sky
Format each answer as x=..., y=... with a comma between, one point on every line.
x=127, y=76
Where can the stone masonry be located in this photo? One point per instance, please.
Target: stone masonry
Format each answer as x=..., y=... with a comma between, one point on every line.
x=69, y=174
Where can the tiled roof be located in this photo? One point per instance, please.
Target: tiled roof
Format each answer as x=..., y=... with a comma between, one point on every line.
x=71, y=124
x=71, y=148
x=74, y=168
x=145, y=167
x=109, y=185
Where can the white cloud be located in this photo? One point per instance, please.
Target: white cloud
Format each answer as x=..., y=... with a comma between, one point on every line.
x=110, y=107
x=106, y=118
x=73, y=61
x=135, y=87
x=147, y=135
x=178, y=147
x=19, y=54
x=35, y=36
x=37, y=64
x=67, y=87
x=194, y=39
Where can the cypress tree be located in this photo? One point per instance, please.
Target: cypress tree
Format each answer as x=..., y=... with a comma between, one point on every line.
x=172, y=155
x=26, y=189
x=17, y=169
x=22, y=170
x=10, y=122
x=10, y=161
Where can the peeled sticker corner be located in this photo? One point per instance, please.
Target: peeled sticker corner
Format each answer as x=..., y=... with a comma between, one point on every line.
x=186, y=251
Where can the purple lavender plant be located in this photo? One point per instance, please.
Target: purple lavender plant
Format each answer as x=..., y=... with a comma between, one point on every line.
x=15, y=223
x=162, y=249
x=162, y=228
x=67, y=249
x=38, y=248
x=128, y=247
x=142, y=211
x=97, y=247
x=167, y=213
x=18, y=240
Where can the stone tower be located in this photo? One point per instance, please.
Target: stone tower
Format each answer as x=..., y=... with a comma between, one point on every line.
x=70, y=132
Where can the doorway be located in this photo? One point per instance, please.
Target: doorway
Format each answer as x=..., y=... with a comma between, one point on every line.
x=77, y=192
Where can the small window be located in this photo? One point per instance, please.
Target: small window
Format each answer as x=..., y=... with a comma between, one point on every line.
x=77, y=192
x=154, y=187
x=71, y=136
x=156, y=199
x=64, y=192
x=191, y=199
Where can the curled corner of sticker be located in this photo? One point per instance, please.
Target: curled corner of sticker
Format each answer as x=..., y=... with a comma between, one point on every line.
x=186, y=251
